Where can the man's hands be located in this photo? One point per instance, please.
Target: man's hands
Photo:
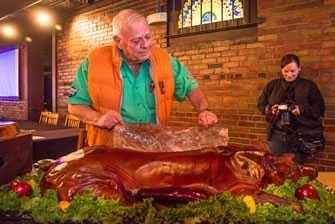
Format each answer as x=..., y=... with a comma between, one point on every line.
x=109, y=120
x=90, y=116
x=207, y=118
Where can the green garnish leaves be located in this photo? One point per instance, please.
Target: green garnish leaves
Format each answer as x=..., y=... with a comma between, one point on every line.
x=223, y=208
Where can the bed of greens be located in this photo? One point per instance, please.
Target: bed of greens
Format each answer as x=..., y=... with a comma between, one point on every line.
x=21, y=204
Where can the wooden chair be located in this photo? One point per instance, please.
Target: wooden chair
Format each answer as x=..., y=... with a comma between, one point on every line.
x=44, y=117
x=52, y=118
x=72, y=121
x=82, y=138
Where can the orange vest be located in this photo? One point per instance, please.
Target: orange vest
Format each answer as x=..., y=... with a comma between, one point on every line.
x=105, y=87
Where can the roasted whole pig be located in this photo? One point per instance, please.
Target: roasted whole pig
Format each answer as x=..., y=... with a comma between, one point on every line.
x=127, y=175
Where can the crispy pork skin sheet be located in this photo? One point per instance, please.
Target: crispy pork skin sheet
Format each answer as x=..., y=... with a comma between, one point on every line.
x=155, y=138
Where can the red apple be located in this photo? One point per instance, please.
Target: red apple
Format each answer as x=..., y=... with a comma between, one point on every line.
x=306, y=191
x=21, y=188
x=13, y=184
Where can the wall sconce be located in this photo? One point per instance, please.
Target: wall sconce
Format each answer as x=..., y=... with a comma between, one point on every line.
x=28, y=39
x=159, y=16
x=58, y=27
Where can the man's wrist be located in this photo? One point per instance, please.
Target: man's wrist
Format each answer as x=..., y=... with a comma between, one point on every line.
x=94, y=118
x=203, y=110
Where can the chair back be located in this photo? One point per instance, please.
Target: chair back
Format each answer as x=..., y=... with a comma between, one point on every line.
x=72, y=121
x=52, y=118
x=82, y=138
x=44, y=117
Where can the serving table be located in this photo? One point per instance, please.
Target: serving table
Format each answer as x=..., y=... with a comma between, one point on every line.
x=15, y=152
x=327, y=178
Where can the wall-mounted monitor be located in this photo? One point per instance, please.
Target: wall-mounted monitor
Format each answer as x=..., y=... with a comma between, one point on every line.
x=9, y=73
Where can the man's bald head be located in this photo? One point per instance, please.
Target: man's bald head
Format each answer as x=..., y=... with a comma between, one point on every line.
x=125, y=18
x=131, y=34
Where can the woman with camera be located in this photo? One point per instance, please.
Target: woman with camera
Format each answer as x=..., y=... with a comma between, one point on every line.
x=293, y=107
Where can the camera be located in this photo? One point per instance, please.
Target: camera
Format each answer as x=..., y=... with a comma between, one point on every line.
x=283, y=107
x=285, y=118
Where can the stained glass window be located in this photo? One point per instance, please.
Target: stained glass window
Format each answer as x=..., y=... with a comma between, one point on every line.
x=197, y=12
x=188, y=17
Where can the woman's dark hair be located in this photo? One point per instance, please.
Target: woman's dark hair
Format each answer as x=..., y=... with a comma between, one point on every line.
x=289, y=58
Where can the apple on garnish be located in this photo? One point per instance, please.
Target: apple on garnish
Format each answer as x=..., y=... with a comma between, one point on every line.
x=21, y=188
x=306, y=191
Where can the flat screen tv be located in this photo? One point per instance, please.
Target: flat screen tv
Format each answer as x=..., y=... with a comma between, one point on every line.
x=9, y=73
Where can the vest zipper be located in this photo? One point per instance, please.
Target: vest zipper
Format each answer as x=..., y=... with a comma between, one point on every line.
x=120, y=105
x=156, y=100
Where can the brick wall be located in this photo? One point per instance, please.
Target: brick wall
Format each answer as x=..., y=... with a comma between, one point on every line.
x=14, y=110
x=232, y=67
x=18, y=110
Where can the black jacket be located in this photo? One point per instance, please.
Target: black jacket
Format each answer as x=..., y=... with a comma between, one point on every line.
x=302, y=92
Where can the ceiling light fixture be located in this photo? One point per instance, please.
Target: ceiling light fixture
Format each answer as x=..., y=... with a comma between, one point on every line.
x=9, y=31
x=43, y=18
x=13, y=14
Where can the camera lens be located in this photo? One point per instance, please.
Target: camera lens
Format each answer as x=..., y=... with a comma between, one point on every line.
x=285, y=118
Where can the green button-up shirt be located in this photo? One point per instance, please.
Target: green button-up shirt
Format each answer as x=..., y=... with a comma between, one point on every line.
x=138, y=100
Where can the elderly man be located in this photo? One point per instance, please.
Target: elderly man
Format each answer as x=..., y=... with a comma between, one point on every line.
x=132, y=81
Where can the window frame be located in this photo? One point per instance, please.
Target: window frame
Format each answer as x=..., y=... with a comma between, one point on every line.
x=3, y=49
x=249, y=19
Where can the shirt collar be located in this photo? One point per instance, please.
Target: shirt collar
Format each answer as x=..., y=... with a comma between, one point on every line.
x=123, y=58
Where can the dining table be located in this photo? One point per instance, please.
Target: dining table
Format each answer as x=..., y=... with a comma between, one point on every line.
x=49, y=141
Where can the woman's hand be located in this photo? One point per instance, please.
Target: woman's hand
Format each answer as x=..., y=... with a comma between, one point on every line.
x=274, y=109
x=295, y=109
x=207, y=118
